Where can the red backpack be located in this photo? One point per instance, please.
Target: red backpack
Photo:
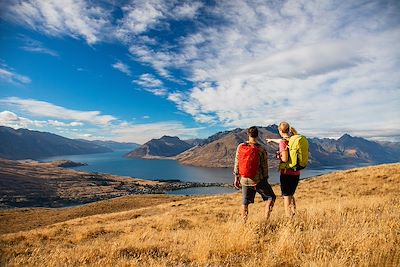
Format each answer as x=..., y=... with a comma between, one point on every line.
x=249, y=160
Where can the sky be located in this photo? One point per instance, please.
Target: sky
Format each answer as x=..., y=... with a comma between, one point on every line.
x=131, y=71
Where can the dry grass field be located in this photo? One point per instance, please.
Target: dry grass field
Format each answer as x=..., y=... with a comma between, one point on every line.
x=348, y=218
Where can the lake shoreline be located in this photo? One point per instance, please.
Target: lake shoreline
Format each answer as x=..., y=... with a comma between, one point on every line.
x=28, y=183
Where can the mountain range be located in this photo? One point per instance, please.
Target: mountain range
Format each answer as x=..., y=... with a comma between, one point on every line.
x=219, y=149
x=27, y=144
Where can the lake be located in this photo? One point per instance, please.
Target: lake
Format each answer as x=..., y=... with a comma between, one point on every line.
x=115, y=163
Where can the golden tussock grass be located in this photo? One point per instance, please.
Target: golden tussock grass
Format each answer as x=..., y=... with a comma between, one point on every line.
x=348, y=218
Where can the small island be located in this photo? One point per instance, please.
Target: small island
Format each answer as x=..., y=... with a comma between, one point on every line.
x=67, y=163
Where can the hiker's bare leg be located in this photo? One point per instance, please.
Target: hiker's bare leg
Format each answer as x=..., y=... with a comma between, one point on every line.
x=269, y=204
x=245, y=212
x=286, y=203
x=293, y=206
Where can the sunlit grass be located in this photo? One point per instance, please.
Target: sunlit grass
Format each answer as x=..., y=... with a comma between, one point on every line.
x=349, y=218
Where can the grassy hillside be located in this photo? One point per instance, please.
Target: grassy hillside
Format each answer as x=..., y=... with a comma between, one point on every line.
x=347, y=218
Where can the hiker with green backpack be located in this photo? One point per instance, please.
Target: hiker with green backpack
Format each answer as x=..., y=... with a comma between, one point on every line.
x=293, y=156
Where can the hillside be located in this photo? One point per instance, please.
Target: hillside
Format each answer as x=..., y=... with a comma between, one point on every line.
x=26, y=144
x=344, y=219
x=166, y=146
x=219, y=150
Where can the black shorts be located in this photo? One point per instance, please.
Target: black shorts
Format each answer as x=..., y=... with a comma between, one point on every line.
x=263, y=188
x=289, y=184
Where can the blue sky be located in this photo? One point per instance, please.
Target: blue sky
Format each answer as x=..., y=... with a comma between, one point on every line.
x=136, y=70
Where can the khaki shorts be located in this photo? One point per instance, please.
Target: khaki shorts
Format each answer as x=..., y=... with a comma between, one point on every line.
x=263, y=188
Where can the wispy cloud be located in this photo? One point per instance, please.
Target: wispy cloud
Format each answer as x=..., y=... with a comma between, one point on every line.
x=46, y=109
x=157, y=92
x=11, y=119
x=159, y=60
x=35, y=46
x=143, y=15
x=139, y=16
x=187, y=10
x=74, y=18
x=63, y=124
x=9, y=75
x=122, y=67
x=148, y=80
x=151, y=84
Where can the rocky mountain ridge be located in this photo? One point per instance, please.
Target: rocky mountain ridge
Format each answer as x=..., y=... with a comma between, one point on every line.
x=166, y=146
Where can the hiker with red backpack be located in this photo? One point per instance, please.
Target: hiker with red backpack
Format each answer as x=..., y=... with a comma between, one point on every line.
x=251, y=173
x=293, y=156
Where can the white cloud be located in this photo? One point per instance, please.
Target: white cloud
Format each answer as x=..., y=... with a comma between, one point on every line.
x=10, y=76
x=63, y=124
x=35, y=46
x=10, y=119
x=151, y=84
x=73, y=18
x=122, y=67
x=140, y=16
x=45, y=109
x=186, y=10
x=143, y=15
x=38, y=49
x=296, y=61
x=157, y=92
x=159, y=60
x=148, y=80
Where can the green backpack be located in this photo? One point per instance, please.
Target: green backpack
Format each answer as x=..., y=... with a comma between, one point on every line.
x=298, y=153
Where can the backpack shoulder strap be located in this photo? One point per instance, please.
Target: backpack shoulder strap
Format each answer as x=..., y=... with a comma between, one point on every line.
x=252, y=144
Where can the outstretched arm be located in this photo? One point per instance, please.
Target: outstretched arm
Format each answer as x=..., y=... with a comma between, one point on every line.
x=277, y=141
